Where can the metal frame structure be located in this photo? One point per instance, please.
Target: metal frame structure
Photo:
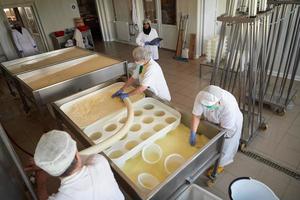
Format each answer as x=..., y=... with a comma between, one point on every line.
x=174, y=184
x=10, y=76
x=283, y=56
x=244, y=66
x=258, y=39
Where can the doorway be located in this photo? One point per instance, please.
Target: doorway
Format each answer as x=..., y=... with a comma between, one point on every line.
x=88, y=12
x=26, y=17
x=163, y=14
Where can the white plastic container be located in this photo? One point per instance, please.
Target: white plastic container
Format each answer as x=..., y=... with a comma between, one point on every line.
x=194, y=192
x=173, y=162
x=152, y=120
x=147, y=181
x=152, y=153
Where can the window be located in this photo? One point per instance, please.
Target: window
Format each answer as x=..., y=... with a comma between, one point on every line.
x=168, y=12
x=150, y=10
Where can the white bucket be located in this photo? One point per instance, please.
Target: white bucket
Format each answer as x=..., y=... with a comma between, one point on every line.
x=173, y=162
x=152, y=153
x=147, y=181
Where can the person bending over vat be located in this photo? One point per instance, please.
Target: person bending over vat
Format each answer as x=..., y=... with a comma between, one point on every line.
x=220, y=107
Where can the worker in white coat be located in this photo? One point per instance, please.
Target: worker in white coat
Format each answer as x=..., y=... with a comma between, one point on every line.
x=149, y=74
x=146, y=36
x=220, y=107
x=23, y=40
x=87, y=178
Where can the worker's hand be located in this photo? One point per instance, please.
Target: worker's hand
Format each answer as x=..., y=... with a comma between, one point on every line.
x=147, y=43
x=118, y=93
x=123, y=95
x=193, y=138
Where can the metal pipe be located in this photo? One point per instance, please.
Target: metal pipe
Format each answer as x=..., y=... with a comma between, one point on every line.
x=282, y=56
x=275, y=47
x=290, y=52
x=252, y=8
x=244, y=5
x=219, y=54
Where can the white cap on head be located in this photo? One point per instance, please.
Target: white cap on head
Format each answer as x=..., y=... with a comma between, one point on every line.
x=210, y=95
x=55, y=152
x=141, y=53
x=147, y=21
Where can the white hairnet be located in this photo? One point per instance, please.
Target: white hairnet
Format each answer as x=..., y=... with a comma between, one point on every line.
x=55, y=152
x=140, y=53
x=211, y=95
x=147, y=21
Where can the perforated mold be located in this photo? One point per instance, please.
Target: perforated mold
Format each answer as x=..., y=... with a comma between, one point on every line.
x=153, y=120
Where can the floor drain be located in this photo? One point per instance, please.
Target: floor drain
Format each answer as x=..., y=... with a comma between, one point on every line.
x=272, y=164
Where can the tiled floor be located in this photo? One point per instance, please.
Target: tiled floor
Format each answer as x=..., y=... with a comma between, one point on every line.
x=280, y=142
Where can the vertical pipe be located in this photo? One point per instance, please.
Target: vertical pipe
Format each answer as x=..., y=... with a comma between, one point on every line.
x=252, y=8
x=219, y=54
x=244, y=6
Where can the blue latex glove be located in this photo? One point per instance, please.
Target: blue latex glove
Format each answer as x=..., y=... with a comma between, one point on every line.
x=193, y=138
x=123, y=95
x=117, y=93
x=147, y=43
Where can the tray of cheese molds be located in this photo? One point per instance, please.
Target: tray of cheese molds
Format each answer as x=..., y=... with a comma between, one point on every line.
x=152, y=121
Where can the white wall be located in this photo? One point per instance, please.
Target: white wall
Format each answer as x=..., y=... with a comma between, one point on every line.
x=211, y=10
x=56, y=15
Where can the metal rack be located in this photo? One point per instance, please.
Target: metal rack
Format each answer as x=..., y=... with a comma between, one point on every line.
x=283, y=56
x=244, y=66
x=261, y=41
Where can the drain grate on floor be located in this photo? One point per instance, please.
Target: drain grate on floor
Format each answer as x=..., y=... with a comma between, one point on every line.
x=272, y=164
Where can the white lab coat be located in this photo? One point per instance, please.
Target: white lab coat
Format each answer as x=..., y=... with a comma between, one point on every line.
x=153, y=78
x=79, y=39
x=142, y=38
x=24, y=42
x=229, y=117
x=93, y=182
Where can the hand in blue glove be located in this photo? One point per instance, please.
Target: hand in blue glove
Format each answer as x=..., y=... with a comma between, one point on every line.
x=118, y=93
x=193, y=138
x=147, y=43
x=123, y=95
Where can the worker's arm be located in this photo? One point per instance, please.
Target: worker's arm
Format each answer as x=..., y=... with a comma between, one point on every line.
x=128, y=83
x=195, y=123
x=138, y=90
x=41, y=179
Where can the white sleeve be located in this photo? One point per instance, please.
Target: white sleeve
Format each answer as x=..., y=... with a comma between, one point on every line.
x=198, y=107
x=16, y=40
x=139, y=40
x=155, y=35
